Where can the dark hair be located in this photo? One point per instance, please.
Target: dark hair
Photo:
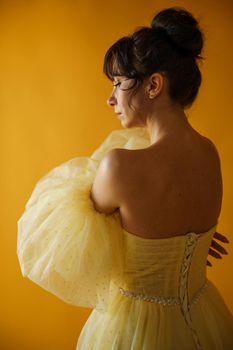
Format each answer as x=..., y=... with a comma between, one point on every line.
x=171, y=46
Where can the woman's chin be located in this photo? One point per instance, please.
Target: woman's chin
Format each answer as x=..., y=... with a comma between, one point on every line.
x=120, y=116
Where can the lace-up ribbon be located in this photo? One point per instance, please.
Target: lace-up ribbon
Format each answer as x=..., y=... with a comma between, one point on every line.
x=191, y=242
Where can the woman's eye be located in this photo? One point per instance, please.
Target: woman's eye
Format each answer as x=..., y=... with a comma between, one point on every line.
x=117, y=84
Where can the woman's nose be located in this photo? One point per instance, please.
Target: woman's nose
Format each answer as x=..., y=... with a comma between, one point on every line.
x=111, y=101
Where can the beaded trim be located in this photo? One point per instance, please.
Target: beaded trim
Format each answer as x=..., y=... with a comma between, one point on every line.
x=161, y=300
x=150, y=298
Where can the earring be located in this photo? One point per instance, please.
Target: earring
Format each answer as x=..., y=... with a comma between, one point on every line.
x=151, y=96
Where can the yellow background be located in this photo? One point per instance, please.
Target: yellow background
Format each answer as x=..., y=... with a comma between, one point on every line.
x=53, y=107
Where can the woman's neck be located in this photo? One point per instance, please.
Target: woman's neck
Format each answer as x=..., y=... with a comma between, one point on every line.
x=169, y=122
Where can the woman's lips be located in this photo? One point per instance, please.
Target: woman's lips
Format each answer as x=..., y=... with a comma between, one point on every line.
x=119, y=115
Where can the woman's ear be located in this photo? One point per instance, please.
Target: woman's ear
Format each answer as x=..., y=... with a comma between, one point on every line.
x=155, y=85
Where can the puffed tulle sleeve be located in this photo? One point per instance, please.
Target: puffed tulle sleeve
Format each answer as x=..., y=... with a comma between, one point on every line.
x=64, y=245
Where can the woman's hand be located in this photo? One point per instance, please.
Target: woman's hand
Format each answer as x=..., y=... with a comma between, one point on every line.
x=218, y=247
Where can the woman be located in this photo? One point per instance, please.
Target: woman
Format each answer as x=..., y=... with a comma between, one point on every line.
x=128, y=230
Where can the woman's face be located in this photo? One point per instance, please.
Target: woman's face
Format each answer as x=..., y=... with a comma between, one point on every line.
x=131, y=115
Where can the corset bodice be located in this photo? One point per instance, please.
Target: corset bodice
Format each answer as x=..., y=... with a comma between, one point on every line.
x=169, y=267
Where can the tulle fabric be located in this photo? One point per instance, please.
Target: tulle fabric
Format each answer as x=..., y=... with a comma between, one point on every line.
x=65, y=245
x=140, y=325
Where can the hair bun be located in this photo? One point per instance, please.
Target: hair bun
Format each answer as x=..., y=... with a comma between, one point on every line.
x=181, y=28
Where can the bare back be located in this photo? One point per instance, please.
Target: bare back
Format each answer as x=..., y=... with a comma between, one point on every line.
x=171, y=188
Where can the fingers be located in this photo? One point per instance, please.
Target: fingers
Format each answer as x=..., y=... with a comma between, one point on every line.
x=214, y=254
x=218, y=247
x=221, y=237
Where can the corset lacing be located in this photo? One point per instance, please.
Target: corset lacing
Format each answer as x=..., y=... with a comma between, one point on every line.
x=190, y=245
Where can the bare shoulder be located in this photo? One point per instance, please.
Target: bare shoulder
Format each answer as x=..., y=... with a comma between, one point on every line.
x=119, y=155
x=121, y=163
x=212, y=148
x=114, y=161
x=115, y=157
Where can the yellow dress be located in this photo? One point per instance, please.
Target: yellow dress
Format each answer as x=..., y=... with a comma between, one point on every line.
x=147, y=294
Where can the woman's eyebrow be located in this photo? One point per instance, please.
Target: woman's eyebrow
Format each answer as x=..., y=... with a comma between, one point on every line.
x=117, y=77
x=121, y=77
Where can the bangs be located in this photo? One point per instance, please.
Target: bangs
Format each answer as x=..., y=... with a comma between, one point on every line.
x=118, y=60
